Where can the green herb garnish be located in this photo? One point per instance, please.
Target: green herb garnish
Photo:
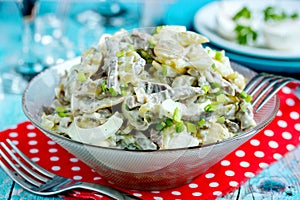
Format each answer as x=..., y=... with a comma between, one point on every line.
x=243, y=13
x=244, y=33
x=275, y=14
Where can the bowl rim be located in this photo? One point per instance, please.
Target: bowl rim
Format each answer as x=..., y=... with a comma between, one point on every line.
x=243, y=134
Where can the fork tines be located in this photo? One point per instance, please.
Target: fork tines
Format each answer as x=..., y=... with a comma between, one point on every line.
x=264, y=86
x=21, y=169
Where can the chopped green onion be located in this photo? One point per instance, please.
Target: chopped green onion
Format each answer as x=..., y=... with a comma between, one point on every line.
x=221, y=119
x=81, y=77
x=131, y=48
x=120, y=53
x=192, y=128
x=144, y=54
x=215, y=85
x=113, y=92
x=60, y=109
x=210, y=107
x=219, y=55
x=201, y=122
x=205, y=88
x=157, y=29
x=164, y=70
x=103, y=86
x=61, y=112
x=179, y=127
x=247, y=97
x=177, y=115
x=160, y=126
x=169, y=122
x=214, y=67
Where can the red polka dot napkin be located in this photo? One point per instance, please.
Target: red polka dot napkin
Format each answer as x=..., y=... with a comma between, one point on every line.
x=272, y=143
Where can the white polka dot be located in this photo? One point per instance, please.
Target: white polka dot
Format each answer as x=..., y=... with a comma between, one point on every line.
x=31, y=134
x=282, y=123
x=177, y=193
x=50, y=142
x=233, y=183
x=97, y=178
x=229, y=173
x=137, y=194
x=74, y=160
x=294, y=115
x=273, y=144
x=286, y=135
x=240, y=153
x=210, y=175
x=255, y=142
x=13, y=134
x=35, y=159
x=259, y=154
x=277, y=156
x=297, y=127
x=263, y=165
x=214, y=184
x=53, y=150
x=32, y=142
x=77, y=177
x=244, y=164
x=54, y=158
x=217, y=193
x=290, y=147
x=286, y=90
x=75, y=168
x=249, y=174
x=269, y=133
x=33, y=150
x=193, y=185
x=279, y=113
x=197, y=194
x=290, y=102
x=55, y=168
x=30, y=127
x=157, y=198
x=225, y=163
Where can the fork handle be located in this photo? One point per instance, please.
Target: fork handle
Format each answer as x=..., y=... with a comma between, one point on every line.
x=105, y=190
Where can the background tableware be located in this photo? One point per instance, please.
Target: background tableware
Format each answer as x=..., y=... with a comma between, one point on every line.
x=205, y=23
x=15, y=77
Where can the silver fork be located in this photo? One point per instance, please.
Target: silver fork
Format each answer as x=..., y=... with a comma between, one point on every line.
x=39, y=181
x=264, y=86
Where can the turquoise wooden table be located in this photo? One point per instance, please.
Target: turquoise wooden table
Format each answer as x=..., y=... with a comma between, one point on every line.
x=280, y=180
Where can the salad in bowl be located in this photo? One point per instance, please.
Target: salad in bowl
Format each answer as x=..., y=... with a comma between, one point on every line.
x=150, y=90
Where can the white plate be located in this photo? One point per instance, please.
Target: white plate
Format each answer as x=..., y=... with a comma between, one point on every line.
x=205, y=23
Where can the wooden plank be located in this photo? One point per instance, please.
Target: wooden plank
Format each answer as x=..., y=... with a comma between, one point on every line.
x=6, y=185
x=279, y=181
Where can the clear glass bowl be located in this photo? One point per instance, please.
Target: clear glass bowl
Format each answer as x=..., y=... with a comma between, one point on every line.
x=143, y=170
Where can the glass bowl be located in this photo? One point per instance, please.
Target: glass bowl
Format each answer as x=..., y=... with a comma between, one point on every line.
x=142, y=170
